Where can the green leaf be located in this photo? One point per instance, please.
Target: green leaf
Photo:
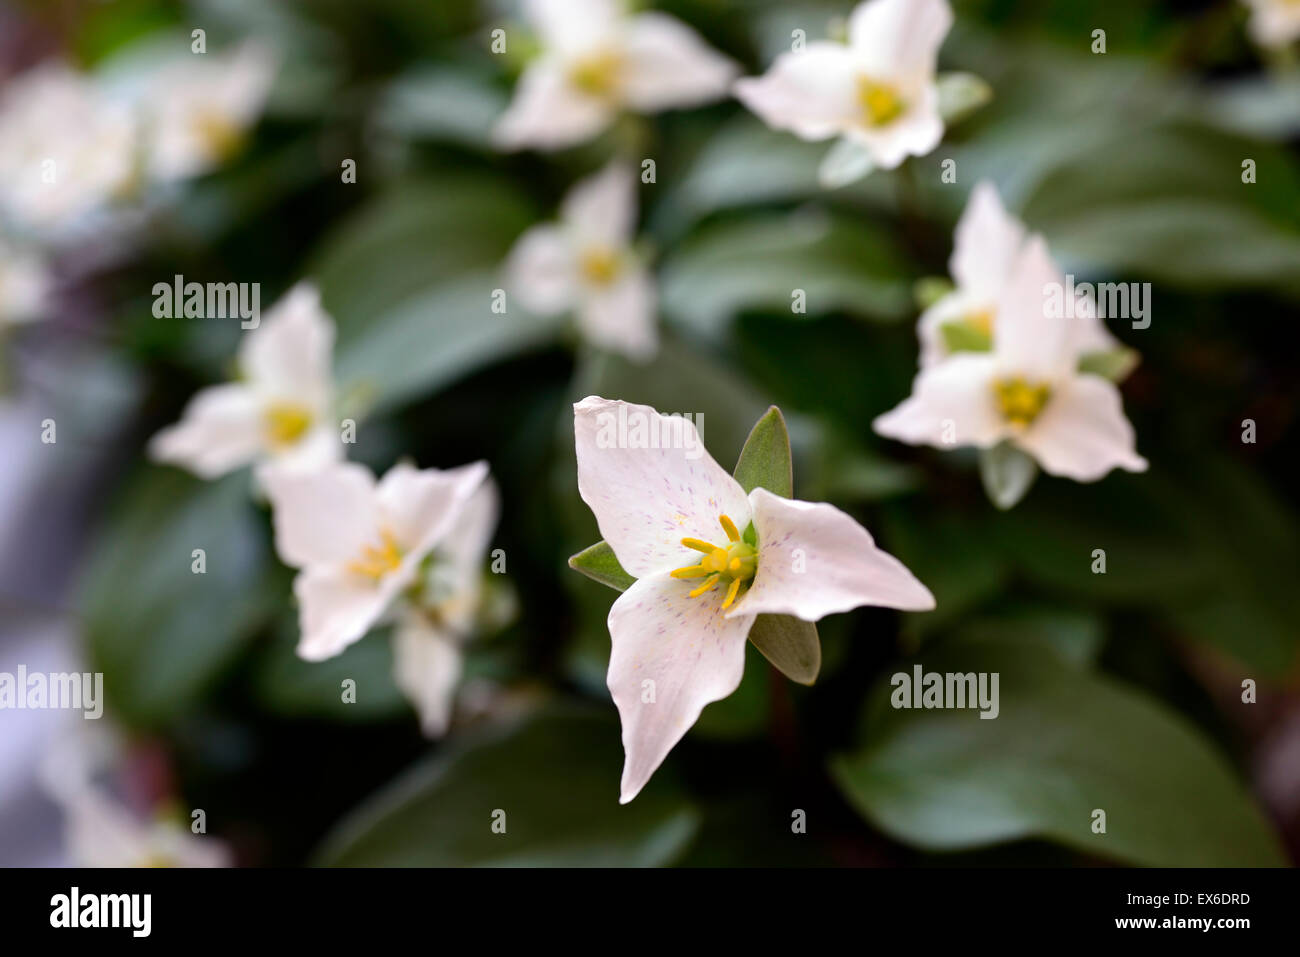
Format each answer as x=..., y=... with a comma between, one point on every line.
x=160, y=632
x=846, y=162
x=599, y=563
x=1113, y=364
x=790, y=644
x=960, y=95
x=765, y=460
x=1007, y=473
x=963, y=337
x=1065, y=742
x=930, y=289
x=441, y=812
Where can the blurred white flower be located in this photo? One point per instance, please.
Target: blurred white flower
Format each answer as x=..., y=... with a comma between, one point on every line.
x=679, y=631
x=69, y=151
x=427, y=660
x=1027, y=390
x=988, y=243
x=586, y=263
x=360, y=545
x=198, y=109
x=597, y=60
x=878, y=92
x=281, y=409
x=24, y=285
x=1274, y=23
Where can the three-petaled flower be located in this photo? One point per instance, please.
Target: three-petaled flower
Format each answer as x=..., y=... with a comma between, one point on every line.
x=597, y=60
x=708, y=559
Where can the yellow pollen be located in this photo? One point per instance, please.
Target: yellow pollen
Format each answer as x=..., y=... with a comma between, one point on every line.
x=735, y=564
x=880, y=102
x=1021, y=401
x=598, y=74
x=286, y=422
x=599, y=264
x=376, y=562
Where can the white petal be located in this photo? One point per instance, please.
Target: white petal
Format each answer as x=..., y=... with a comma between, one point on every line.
x=847, y=161
x=620, y=317
x=669, y=65
x=419, y=505
x=957, y=306
x=542, y=270
x=1028, y=338
x=288, y=356
x=1082, y=432
x=427, y=666
x=814, y=560
x=952, y=404
x=460, y=558
x=915, y=133
x=602, y=208
x=646, y=500
x=326, y=517
x=320, y=446
x=813, y=93
x=220, y=430
x=898, y=38
x=547, y=113
x=986, y=244
x=680, y=653
x=336, y=609
x=571, y=25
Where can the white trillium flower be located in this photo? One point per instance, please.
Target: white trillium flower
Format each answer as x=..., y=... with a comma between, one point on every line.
x=586, y=263
x=361, y=544
x=70, y=151
x=878, y=92
x=427, y=660
x=596, y=61
x=24, y=286
x=1027, y=390
x=679, y=631
x=988, y=243
x=198, y=109
x=280, y=411
x=1274, y=23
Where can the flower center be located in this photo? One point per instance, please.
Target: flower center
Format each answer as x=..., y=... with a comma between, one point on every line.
x=597, y=74
x=220, y=136
x=735, y=563
x=378, y=561
x=1021, y=401
x=981, y=321
x=880, y=102
x=286, y=422
x=599, y=264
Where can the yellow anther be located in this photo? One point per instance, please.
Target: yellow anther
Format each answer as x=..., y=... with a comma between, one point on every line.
x=728, y=526
x=599, y=265
x=1021, y=401
x=698, y=545
x=707, y=586
x=376, y=562
x=880, y=102
x=286, y=422
x=735, y=564
x=732, y=590
x=691, y=571
x=598, y=74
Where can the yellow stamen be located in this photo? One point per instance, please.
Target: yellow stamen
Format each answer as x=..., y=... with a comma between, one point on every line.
x=698, y=545
x=597, y=75
x=880, y=102
x=286, y=422
x=731, y=592
x=707, y=586
x=1021, y=401
x=377, y=562
x=599, y=264
x=691, y=571
x=728, y=526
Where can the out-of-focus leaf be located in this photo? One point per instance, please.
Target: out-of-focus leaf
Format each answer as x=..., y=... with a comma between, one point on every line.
x=765, y=459
x=930, y=289
x=743, y=713
x=1007, y=474
x=1266, y=106
x=845, y=162
x=552, y=784
x=599, y=563
x=960, y=95
x=763, y=261
x=1064, y=744
x=1114, y=364
x=441, y=103
x=1076, y=635
x=790, y=644
x=160, y=632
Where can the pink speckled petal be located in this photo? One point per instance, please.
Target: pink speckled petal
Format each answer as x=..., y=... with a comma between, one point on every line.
x=646, y=500
x=814, y=560
x=672, y=655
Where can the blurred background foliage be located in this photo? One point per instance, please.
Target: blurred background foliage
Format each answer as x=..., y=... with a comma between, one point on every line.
x=1120, y=691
